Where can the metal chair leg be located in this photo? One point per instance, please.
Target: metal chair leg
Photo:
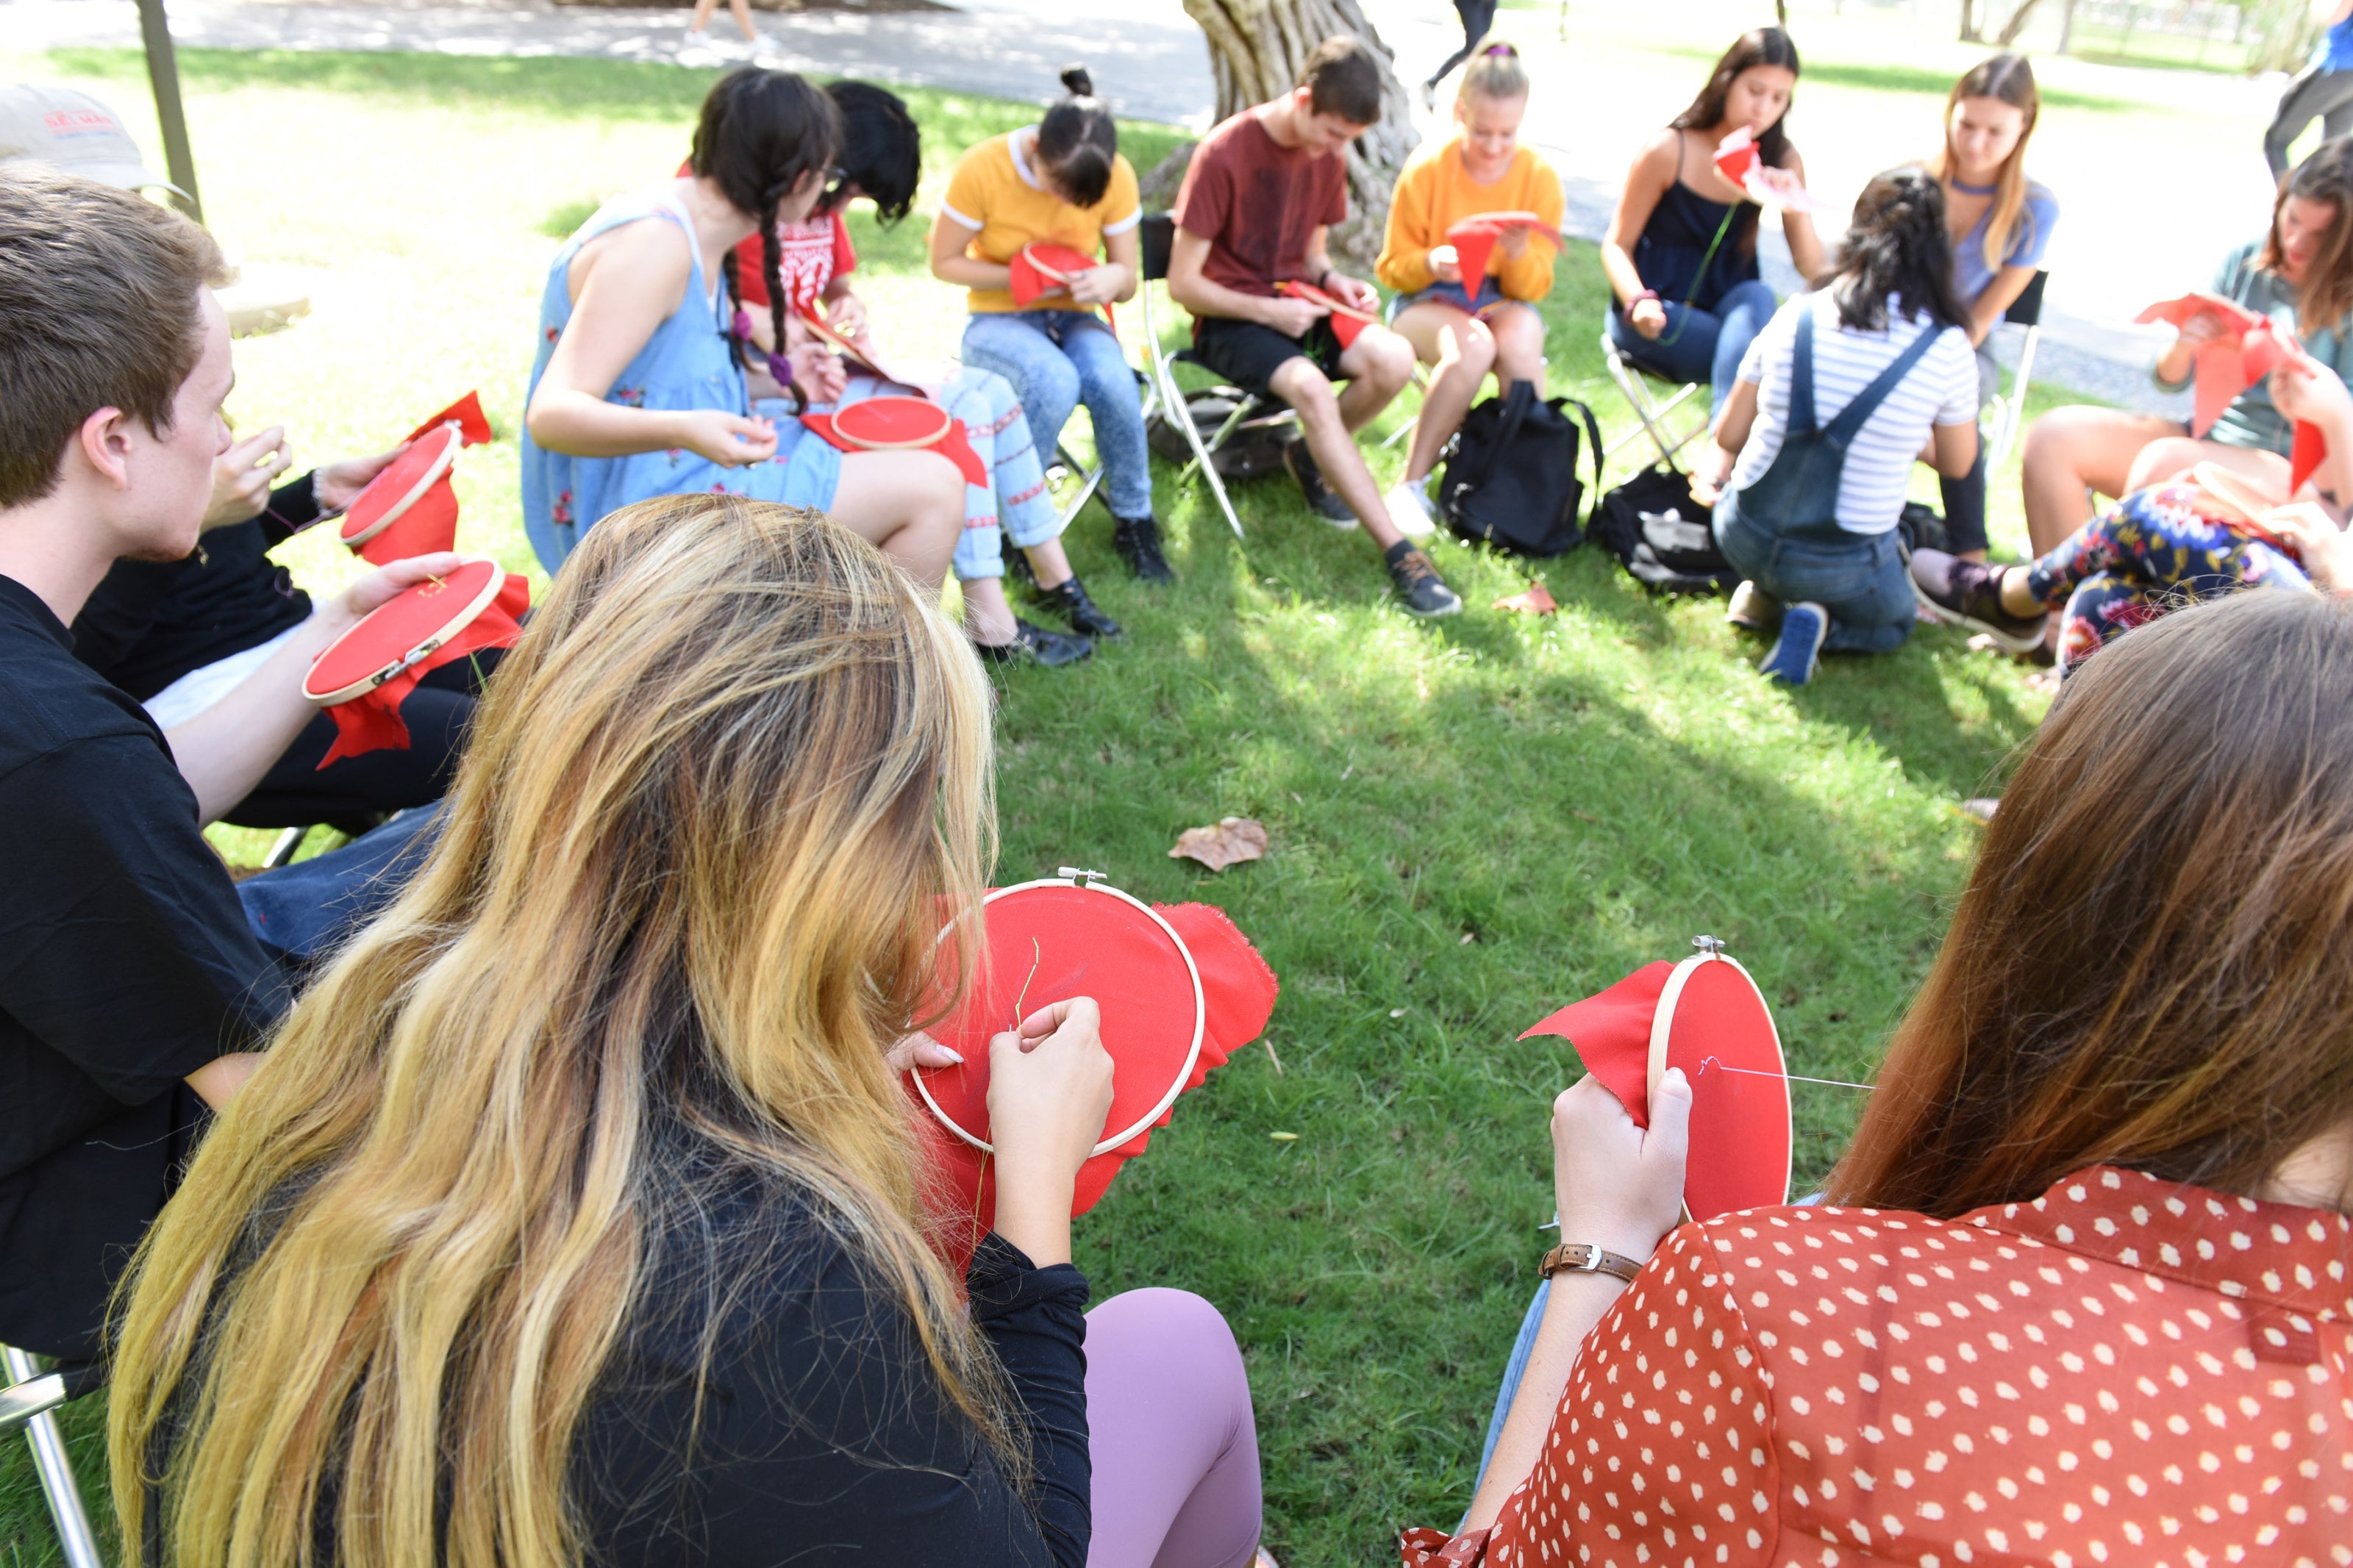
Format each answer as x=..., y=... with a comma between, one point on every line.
x=55, y=1468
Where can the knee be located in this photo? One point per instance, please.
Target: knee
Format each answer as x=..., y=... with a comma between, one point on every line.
x=1158, y=1315
x=1477, y=347
x=1310, y=395
x=1388, y=360
x=1055, y=383
x=2051, y=444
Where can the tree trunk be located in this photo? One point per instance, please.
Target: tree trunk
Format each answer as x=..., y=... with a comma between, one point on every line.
x=2067, y=27
x=1969, y=34
x=1256, y=49
x=2016, y=22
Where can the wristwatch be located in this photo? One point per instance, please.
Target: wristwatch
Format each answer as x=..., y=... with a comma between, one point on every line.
x=1586, y=1257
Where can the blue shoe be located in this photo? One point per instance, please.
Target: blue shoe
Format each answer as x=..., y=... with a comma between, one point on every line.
x=1795, y=658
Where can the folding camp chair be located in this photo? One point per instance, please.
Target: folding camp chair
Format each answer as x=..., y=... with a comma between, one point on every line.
x=1158, y=235
x=31, y=1401
x=2008, y=408
x=1633, y=384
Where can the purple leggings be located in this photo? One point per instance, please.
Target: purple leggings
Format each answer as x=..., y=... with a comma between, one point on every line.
x=1173, y=1442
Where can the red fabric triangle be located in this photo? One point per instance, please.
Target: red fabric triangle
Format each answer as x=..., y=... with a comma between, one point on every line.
x=2305, y=457
x=473, y=425
x=428, y=527
x=1237, y=994
x=371, y=722
x=1611, y=1032
x=1474, y=245
x=2263, y=350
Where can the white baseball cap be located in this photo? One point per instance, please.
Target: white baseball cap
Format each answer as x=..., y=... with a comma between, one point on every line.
x=72, y=132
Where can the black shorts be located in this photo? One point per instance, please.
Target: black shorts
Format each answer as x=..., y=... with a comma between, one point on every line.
x=1249, y=354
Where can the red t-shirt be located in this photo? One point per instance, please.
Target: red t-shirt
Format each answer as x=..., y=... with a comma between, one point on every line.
x=1257, y=203
x=808, y=257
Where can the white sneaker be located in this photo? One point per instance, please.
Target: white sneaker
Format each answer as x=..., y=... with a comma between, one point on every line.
x=696, y=39
x=1410, y=510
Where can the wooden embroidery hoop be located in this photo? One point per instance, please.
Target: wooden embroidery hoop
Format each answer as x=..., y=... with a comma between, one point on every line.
x=1088, y=882
x=437, y=467
x=1662, y=1023
x=377, y=622
x=889, y=408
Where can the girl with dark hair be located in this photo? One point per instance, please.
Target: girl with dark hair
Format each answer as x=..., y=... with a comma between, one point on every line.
x=882, y=161
x=639, y=387
x=2080, y=1286
x=2001, y=222
x=1834, y=404
x=2299, y=274
x=1060, y=181
x=1681, y=251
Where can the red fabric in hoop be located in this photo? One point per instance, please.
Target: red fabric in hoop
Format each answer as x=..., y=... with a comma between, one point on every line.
x=1090, y=944
x=371, y=722
x=1045, y=267
x=473, y=425
x=950, y=442
x=428, y=527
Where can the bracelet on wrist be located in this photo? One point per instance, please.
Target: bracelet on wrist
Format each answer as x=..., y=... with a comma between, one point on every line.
x=1645, y=294
x=1588, y=1257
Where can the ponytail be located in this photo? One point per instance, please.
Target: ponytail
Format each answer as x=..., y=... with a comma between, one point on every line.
x=1897, y=249
x=1078, y=141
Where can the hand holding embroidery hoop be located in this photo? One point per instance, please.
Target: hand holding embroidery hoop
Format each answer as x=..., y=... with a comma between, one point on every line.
x=1740, y=162
x=1347, y=320
x=1179, y=989
x=362, y=677
x=410, y=509
x=891, y=424
x=1043, y=268
x=1706, y=1017
x=1473, y=240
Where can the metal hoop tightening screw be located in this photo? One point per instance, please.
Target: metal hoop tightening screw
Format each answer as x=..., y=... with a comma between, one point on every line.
x=1712, y=946
x=1076, y=875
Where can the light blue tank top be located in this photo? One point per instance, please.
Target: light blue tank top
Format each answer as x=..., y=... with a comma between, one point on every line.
x=686, y=365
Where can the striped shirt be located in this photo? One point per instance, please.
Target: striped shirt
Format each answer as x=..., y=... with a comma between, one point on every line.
x=1942, y=389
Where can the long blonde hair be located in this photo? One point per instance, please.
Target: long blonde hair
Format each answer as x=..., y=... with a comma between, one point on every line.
x=2011, y=80
x=716, y=806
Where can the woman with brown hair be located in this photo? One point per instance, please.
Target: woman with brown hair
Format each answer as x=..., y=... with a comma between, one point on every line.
x=576, y=1214
x=2082, y=1291
x=2300, y=275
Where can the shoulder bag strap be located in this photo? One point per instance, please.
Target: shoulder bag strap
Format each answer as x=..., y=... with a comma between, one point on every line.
x=1801, y=376
x=1515, y=411
x=1843, y=429
x=1592, y=434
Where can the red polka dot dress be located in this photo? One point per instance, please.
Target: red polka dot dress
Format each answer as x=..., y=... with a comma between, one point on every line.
x=2125, y=1371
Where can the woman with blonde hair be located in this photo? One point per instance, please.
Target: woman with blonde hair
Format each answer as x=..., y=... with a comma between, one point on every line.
x=2082, y=1290
x=576, y=1215
x=2001, y=224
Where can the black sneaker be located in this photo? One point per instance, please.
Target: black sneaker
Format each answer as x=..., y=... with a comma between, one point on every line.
x=1069, y=600
x=1036, y=645
x=1138, y=539
x=1417, y=582
x=1320, y=499
x=1968, y=594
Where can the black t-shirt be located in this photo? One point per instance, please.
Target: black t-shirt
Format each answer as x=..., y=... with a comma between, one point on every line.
x=821, y=1438
x=125, y=965
x=151, y=622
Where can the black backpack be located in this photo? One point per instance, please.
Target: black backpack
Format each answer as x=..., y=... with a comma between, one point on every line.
x=1511, y=473
x=1661, y=536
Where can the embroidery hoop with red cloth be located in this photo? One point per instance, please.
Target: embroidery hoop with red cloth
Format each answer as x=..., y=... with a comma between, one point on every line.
x=1473, y=240
x=1706, y=1017
x=1347, y=320
x=1180, y=990
x=363, y=676
x=893, y=423
x=1043, y=268
x=409, y=508
x=1738, y=160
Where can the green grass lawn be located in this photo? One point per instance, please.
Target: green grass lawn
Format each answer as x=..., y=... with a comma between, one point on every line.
x=1472, y=822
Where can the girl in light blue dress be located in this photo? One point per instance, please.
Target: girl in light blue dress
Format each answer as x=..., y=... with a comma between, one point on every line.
x=639, y=386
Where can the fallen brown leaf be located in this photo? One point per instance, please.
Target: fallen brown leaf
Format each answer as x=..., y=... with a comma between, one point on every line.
x=1233, y=840
x=1536, y=601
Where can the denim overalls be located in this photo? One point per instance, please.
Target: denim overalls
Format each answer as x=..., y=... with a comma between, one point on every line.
x=1783, y=534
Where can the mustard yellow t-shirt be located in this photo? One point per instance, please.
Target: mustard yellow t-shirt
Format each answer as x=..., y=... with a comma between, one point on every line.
x=996, y=191
x=1435, y=193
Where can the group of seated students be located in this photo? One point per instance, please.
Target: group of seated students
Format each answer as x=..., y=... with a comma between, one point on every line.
x=570, y=1210
x=675, y=354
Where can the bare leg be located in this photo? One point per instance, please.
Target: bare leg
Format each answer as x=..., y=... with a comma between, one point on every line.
x=1378, y=364
x=2170, y=460
x=910, y=505
x=2070, y=452
x=985, y=611
x=741, y=11
x=702, y=19
x=1301, y=385
x=1050, y=566
x=1461, y=347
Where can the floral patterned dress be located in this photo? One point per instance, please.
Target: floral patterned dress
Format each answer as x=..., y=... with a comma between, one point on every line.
x=685, y=364
x=2124, y=1371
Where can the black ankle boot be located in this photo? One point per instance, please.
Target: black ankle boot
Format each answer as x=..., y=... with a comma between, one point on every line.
x=1138, y=539
x=1034, y=643
x=1016, y=562
x=1069, y=600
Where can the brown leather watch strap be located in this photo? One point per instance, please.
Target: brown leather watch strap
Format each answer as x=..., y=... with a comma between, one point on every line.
x=1584, y=1257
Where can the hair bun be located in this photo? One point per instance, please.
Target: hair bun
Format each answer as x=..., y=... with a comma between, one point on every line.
x=1075, y=79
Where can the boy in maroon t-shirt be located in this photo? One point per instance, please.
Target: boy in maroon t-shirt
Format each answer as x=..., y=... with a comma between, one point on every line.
x=1262, y=190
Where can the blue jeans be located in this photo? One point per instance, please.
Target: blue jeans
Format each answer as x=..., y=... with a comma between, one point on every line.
x=1859, y=578
x=1057, y=359
x=304, y=911
x=1700, y=345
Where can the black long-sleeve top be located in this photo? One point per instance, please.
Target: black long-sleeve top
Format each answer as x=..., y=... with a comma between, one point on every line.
x=824, y=1435
x=151, y=621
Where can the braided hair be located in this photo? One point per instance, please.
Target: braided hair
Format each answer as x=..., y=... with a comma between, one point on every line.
x=762, y=134
x=1897, y=249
